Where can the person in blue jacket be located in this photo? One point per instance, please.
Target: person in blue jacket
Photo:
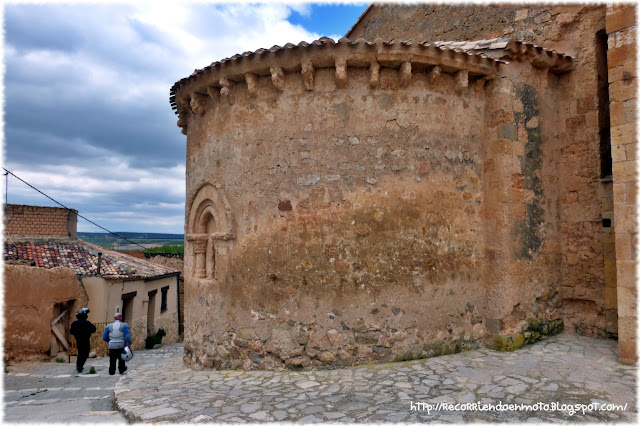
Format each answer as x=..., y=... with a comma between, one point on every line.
x=118, y=336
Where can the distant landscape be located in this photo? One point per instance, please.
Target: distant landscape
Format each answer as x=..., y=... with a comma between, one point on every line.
x=145, y=239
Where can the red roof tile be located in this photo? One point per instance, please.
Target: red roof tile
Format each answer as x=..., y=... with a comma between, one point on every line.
x=82, y=257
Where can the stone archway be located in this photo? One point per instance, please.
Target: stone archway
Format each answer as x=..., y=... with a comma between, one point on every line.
x=209, y=220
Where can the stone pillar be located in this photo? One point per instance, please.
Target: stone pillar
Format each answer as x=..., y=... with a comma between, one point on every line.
x=621, y=61
x=200, y=251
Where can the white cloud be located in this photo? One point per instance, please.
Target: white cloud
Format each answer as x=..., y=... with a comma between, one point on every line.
x=93, y=75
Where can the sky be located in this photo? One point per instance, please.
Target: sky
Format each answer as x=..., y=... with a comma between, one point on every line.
x=86, y=107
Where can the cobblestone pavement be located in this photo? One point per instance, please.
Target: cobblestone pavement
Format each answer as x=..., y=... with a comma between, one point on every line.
x=564, y=369
x=39, y=392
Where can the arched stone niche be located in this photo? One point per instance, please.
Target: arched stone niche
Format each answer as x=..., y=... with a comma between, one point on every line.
x=209, y=221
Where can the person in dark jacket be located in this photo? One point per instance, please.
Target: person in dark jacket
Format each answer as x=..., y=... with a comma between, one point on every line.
x=82, y=330
x=117, y=335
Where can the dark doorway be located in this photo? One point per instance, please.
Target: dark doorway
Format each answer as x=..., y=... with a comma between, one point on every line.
x=151, y=313
x=604, y=120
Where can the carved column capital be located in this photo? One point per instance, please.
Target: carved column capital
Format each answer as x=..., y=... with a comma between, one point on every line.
x=200, y=247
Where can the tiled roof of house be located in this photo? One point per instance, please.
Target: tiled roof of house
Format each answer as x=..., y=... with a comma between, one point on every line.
x=82, y=257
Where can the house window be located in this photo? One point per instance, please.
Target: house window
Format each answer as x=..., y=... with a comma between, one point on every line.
x=163, y=304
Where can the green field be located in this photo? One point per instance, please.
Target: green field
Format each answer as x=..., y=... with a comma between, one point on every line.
x=131, y=239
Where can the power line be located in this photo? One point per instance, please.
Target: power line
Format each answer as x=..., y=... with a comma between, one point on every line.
x=62, y=205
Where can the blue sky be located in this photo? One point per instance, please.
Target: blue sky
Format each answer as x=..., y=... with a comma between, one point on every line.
x=86, y=86
x=329, y=18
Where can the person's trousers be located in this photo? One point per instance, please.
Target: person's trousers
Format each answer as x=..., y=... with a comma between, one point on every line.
x=83, y=354
x=114, y=355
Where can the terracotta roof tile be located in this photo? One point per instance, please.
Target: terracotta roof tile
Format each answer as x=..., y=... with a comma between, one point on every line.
x=82, y=257
x=322, y=43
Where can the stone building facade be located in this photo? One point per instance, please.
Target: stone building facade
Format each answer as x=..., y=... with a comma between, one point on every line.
x=383, y=200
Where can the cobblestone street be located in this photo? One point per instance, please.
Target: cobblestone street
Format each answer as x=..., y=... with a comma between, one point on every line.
x=565, y=369
x=39, y=392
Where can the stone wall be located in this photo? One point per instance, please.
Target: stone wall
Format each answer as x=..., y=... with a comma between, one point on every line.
x=621, y=30
x=570, y=173
x=169, y=323
x=29, y=298
x=33, y=221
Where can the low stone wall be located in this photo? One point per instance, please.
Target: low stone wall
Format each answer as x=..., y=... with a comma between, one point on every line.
x=138, y=329
x=294, y=347
x=169, y=323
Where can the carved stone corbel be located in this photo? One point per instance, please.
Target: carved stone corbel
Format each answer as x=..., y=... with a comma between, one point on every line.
x=277, y=76
x=462, y=80
x=434, y=74
x=374, y=75
x=341, y=73
x=405, y=73
x=182, y=122
x=252, y=84
x=198, y=103
x=226, y=87
x=182, y=104
x=308, y=73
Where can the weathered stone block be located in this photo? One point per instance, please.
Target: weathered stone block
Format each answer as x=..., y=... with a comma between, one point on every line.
x=623, y=90
x=623, y=134
x=618, y=153
x=367, y=338
x=625, y=247
x=222, y=352
x=623, y=112
x=625, y=192
x=622, y=72
x=327, y=356
x=625, y=171
x=299, y=361
x=626, y=276
x=621, y=55
x=626, y=219
x=627, y=343
x=620, y=19
x=246, y=333
x=493, y=326
x=627, y=302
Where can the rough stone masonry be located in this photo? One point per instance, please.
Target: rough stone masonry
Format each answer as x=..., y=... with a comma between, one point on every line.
x=368, y=201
